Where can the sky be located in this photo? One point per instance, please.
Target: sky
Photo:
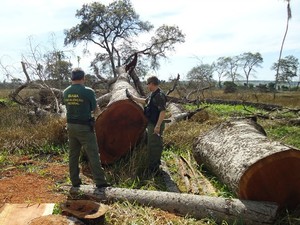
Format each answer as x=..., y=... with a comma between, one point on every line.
x=213, y=29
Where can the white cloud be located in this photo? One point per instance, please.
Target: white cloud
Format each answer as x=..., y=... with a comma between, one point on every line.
x=213, y=28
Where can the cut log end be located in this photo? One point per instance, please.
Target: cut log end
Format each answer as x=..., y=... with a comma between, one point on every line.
x=118, y=129
x=275, y=178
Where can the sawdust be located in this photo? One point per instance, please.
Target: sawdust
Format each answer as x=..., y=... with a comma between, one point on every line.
x=55, y=220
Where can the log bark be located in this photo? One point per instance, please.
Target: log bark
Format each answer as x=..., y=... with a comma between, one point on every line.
x=264, y=106
x=197, y=206
x=178, y=114
x=255, y=168
x=121, y=124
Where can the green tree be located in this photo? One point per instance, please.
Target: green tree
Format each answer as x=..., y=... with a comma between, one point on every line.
x=57, y=67
x=220, y=67
x=115, y=29
x=201, y=74
x=249, y=61
x=231, y=65
x=286, y=69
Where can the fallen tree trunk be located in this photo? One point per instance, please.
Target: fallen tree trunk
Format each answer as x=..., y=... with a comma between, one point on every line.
x=264, y=106
x=255, y=168
x=120, y=126
x=232, y=210
x=178, y=114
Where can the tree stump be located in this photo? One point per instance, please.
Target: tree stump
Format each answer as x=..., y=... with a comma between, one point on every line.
x=121, y=124
x=255, y=168
x=89, y=212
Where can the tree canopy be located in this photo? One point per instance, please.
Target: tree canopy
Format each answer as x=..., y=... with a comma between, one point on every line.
x=115, y=28
x=201, y=74
x=286, y=68
x=249, y=61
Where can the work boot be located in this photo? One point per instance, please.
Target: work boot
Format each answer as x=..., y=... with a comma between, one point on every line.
x=103, y=185
x=77, y=185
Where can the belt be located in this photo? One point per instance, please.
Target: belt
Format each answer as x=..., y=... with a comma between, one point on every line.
x=83, y=122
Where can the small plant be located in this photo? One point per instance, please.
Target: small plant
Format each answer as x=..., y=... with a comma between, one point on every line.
x=230, y=87
x=57, y=210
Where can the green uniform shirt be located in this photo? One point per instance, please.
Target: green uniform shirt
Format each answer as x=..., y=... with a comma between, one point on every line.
x=79, y=101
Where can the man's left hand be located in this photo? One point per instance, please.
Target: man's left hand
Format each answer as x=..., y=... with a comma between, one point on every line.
x=157, y=130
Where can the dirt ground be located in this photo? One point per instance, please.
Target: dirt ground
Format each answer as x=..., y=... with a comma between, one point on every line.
x=26, y=180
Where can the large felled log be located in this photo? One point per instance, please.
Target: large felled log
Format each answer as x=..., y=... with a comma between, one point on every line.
x=255, y=168
x=120, y=126
x=197, y=206
x=178, y=114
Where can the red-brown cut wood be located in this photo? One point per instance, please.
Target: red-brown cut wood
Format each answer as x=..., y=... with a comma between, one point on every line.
x=121, y=125
x=253, y=166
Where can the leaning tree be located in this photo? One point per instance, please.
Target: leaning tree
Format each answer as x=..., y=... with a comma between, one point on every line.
x=115, y=28
x=289, y=17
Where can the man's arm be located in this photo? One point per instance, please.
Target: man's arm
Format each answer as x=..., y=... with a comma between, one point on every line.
x=139, y=100
x=134, y=98
x=161, y=117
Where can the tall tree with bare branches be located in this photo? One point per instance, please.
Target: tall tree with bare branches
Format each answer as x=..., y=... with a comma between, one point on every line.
x=289, y=16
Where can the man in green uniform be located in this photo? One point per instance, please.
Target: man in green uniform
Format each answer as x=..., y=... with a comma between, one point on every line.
x=81, y=102
x=155, y=111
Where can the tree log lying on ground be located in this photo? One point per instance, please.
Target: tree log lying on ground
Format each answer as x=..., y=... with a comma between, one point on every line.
x=197, y=206
x=255, y=168
x=178, y=114
x=264, y=106
x=120, y=126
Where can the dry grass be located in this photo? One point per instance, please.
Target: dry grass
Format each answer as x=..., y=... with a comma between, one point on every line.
x=183, y=133
x=287, y=98
x=17, y=133
x=126, y=213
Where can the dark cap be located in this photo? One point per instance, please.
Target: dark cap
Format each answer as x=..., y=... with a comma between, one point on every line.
x=77, y=74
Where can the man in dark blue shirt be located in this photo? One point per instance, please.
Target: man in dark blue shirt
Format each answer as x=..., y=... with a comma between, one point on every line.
x=155, y=111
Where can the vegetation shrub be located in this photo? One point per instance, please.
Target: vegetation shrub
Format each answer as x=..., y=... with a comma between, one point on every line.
x=262, y=88
x=230, y=87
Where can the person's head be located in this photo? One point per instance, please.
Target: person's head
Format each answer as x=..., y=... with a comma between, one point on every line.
x=152, y=83
x=77, y=75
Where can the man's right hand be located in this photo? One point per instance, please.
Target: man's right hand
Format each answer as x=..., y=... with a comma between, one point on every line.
x=128, y=95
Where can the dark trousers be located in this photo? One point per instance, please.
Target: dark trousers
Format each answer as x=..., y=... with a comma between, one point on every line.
x=81, y=137
x=154, y=146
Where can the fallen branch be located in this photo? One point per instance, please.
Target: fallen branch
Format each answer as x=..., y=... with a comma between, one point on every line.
x=232, y=210
x=174, y=85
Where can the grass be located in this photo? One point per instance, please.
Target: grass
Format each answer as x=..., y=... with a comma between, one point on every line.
x=48, y=136
x=126, y=213
x=286, y=99
x=286, y=134
x=19, y=135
